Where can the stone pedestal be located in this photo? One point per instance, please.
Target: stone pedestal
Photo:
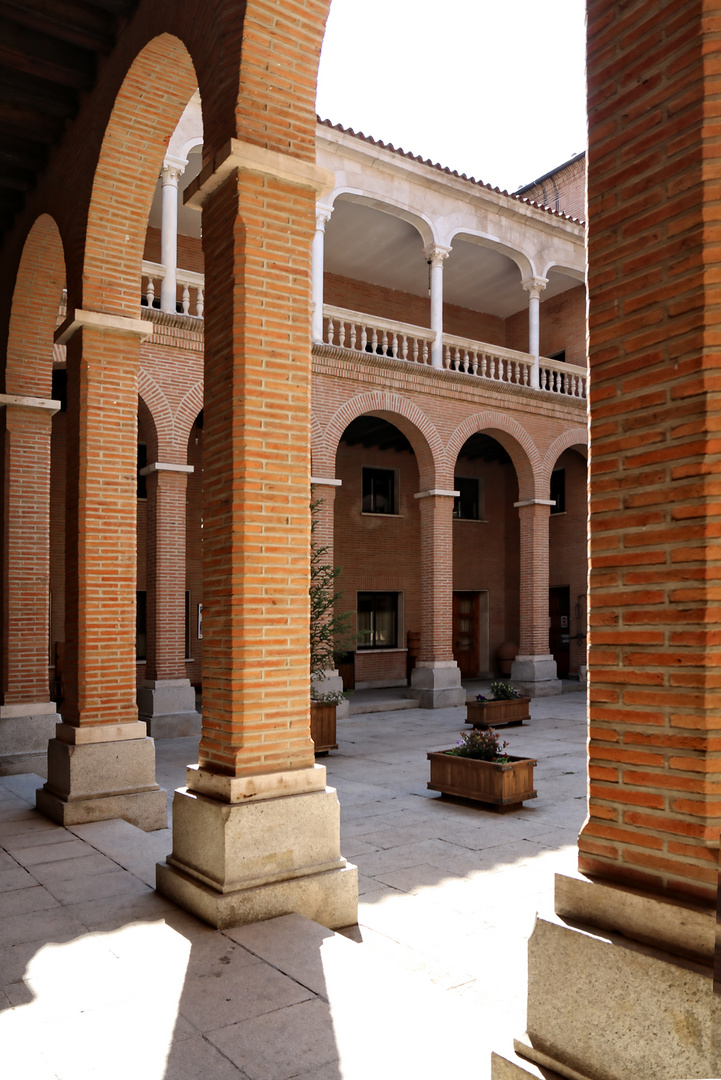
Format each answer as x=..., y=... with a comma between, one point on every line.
x=251, y=848
x=606, y=1003
x=437, y=683
x=168, y=708
x=102, y=771
x=332, y=684
x=25, y=731
x=536, y=676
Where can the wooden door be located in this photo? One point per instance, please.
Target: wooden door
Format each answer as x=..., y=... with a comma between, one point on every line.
x=559, y=628
x=466, y=633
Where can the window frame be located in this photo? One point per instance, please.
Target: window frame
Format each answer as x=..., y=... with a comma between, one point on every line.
x=395, y=493
x=397, y=610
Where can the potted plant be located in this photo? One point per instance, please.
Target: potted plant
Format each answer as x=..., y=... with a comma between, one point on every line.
x=478, y=768
x=504, y=708
x=327, y=627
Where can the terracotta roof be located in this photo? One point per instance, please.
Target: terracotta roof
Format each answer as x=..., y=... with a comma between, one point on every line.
x=444, y=168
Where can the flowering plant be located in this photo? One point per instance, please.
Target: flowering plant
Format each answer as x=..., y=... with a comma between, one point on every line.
x=500, y=691
x=481, y=745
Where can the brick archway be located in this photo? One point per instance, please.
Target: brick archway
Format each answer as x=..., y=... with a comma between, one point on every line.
x=409, y=419
x=513, y=438
x=575, y=439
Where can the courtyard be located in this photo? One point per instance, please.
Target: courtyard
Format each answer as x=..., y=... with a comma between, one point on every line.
x=103, y=978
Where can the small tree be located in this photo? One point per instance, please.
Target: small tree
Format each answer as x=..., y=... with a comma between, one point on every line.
x=328, y=627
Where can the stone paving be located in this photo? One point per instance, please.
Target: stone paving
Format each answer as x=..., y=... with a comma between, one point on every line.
x=102, y=978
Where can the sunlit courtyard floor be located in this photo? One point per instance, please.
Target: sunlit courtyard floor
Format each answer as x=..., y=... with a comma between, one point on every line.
x=102, y=978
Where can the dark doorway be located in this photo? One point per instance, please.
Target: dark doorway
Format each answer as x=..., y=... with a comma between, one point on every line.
x=466, y=636
x=559, y=603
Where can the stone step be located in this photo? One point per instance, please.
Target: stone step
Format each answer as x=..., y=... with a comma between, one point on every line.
x=358, y=708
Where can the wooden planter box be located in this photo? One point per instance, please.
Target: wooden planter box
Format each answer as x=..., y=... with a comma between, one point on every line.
x=498, y=713
x=485, y=781
x=322, y=726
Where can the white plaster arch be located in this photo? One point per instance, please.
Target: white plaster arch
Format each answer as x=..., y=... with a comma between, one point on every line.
x=523, y=261
x=405, y=211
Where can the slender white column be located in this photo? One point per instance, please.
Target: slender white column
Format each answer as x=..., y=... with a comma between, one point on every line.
x=436, y=255
x=322, y=217
x=534, y=286
x=172, y=171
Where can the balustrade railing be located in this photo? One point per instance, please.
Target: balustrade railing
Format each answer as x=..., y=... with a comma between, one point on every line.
x=360, y=332
x=191, y=287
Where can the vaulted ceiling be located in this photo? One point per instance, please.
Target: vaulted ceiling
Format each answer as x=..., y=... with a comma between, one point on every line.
x=50, y=54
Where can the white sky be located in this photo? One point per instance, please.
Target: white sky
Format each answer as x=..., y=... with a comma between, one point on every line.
x=492, y=88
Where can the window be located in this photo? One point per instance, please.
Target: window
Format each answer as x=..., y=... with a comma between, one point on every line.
x=467, y=504
x=379, y=491
x=142, y=462
x=140, y=625
x=377, y=620
x=558, y=491
x=560, y=356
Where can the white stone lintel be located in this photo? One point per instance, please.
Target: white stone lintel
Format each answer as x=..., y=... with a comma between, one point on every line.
x=241, y=789
x=436, y=491
x=326, y=482
x=23, y=402
x=536, y=502
x=28, y=708
x=100, y=733
x=101, y=320
x=436, y=663
x=246, y=157
x=160, y=466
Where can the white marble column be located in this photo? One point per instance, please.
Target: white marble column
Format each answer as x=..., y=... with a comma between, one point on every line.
x=436, y=255
x=534, y=286
x=173, y=169
x=322, y=217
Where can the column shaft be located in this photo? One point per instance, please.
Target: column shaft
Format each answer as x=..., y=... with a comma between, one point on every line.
x=169, y=234
x=534, y=669
x=322, y=217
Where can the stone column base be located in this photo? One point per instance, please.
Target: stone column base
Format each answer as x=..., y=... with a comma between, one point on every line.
x=103, y=771
x=270, y=854
x=536, y=676
x=602, y=1006
x=25, y=731
x=437, y=683
x=167, y=706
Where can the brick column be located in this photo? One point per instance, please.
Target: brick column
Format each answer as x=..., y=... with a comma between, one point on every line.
x=323, y=491
x=644, y=903
x=256, y=833
x=534, y=669
x=101, y=763
x=436, y=676
x=27, y=716
x=166, y=700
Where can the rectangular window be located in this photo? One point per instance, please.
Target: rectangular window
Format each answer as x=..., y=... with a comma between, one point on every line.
x=140, y=626
x=467, y=504
x=377, y=620
x=559, y=356
x=379, y=491
x=558, y=491
x=142, y=462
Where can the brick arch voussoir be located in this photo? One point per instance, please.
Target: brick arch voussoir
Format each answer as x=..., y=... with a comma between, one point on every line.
x=186, y=414
x=407, y=417
x=316, y=448
x=574, y=439
x=161, y=415
x=513, y=438
x=155, y=90
x=34, y=311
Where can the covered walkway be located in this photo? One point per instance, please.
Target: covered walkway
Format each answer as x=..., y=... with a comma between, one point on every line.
x=103, y=978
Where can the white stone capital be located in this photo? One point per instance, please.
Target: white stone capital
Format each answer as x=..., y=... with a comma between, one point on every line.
x=160, y=466
x=22, y=402
x=322, y=216
x=328, y=482
x=534, y=286
x=436, y=254
x=100, y=320
x=172, y=170
x=535, y=502
x=436, y=491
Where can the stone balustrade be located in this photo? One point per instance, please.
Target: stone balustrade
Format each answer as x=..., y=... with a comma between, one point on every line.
x=191, y=284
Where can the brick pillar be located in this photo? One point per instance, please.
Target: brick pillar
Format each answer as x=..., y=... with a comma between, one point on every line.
x=241, y=852
x=534, y=669
x=436, y=676
x=323, y=492
x=644, y=903
x=27, y=716
x=101, y=763
x=166, y=700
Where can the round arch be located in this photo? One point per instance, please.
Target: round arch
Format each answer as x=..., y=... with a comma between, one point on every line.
x=420, y=221
x=417, y=428
x=520, y=258
x=577, y=273
x=34, y=311
x=514, y=439
x=574, y=439
x=186, y=414
x=137, y=134
x=157, y=405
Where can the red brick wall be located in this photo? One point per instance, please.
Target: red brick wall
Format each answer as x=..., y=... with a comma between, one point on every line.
x=565, y=190
x=567, y=549
x=190, y=251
